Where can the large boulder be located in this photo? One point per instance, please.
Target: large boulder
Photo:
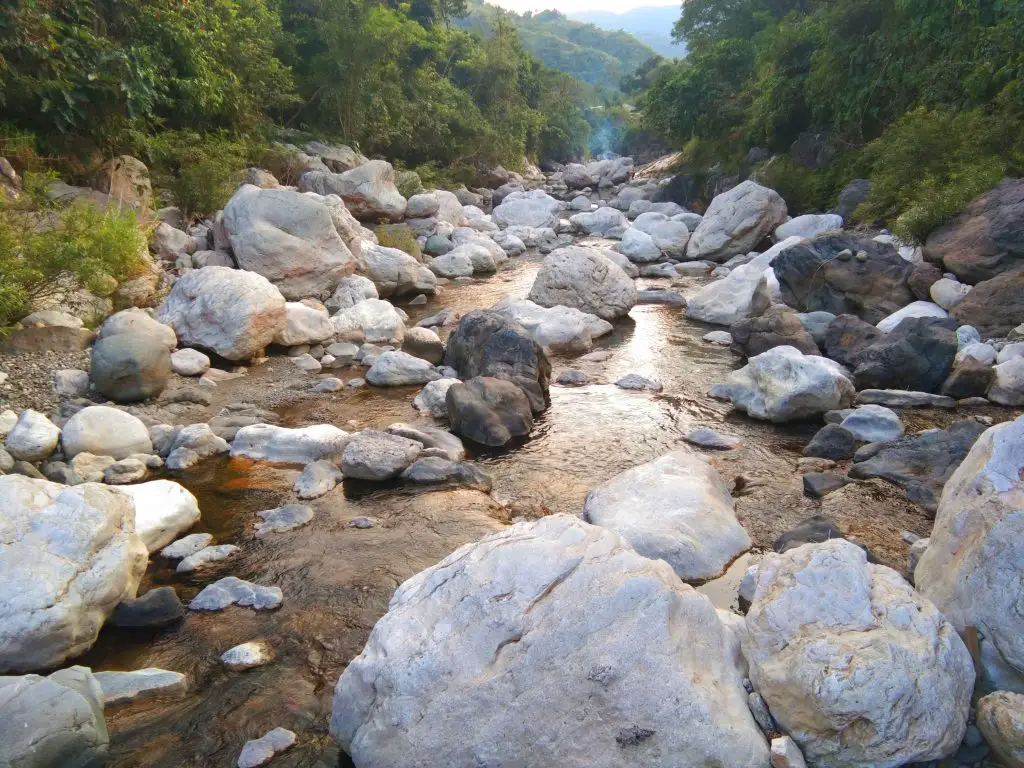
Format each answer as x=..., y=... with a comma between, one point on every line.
x=68, y=556
x=524, y=649
x=996, y=306
x=560, y=330
x=400, y=369
x=488, y=343
x=164, y=510
x=53, y=721
x=104, y=431
x=394, y=272
x=369, y=190
x=289, y=238
x=585, y=279
x=846, y=275
x=304, y=325
x=917, y=355
x=972, y=567
x=136, y=321
x=857, y=667
x=920, y=464
x=304, y=445
x=576, y=176
x=374, y=320
x=232, y=312
x=777, y=326
x=350, y=291
x=741, y=294
x=604, y=222
x=846, y=336
x=130, y=367
x=669, y=235
x=378, y=456
x=530, y=209
x=1001, y=722
x=638, y=247
x=675, y=508
x=986, y=239
x=783, y=384
x=735, y=222
x=488, y=411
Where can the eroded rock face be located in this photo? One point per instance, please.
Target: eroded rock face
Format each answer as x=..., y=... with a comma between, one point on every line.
x=736, y=221
x=585, y=279
x=826, y=274
x=232, y=312
x=675, y=508
x=857, y=667
x=985, y=240
x=68, y=557
x=521, y=649
x=972, y=567
x=289, y=238
x=784, y=384
x=369, y=190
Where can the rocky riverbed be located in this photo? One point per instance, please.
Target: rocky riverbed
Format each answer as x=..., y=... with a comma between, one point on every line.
x=300, y=506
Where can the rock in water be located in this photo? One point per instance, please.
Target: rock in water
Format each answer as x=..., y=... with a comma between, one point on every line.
x=920, y=464
x=775, y=327
x=232, y=312
x=163, y=510
x=231, y=590
x=246, y=656
x=784, y=384
x=972, y=567
x=1001, y=720
x=539, y=663
x=431, y=399
x=266, y=442
x=139, y=685
x=317, y=479
x=69, y=556
x=261, y=751
x=916, y=355
x=376, y=455
x=489, y=411
x=675, y=508
x=585, y=279
x=281, y=519
x=561, y=330
x=157, y=608
x=735, y=222
x=857, y=667
x=53, y=721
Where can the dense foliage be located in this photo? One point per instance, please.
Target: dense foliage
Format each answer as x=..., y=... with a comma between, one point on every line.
x=93, y=78
x=923, y=96
x=596, y=56
x=49, y=249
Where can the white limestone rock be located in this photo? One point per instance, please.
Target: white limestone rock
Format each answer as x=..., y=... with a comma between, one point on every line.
x=105, y=431
x=164, y=510
x=584, y=279
x=560, y=330
x=735, y=222
x=914, y=309
x=33, y=437
x=374, y=320
x=809, y=225
x=304, y=325
x=283, y=445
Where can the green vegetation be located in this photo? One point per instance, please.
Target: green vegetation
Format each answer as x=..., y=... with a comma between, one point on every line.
x=598, y=57
x=195, y=87
x=48, y=249
x=924, y=97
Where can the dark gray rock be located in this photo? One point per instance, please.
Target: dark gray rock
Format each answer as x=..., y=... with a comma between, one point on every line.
x=813, y=150
x=814, y=530
x=832, y=442
x=820, y=484
x=825, y=274
x=489, y=411
x=916, y=355
x=922, y=277
x=435, y=470
x=157, y=608
x=129, y=367
x=571, y=378
x=920, y=464
x=969, y=379
x=853, y=194
x=488, y=344
x=847, y=336
x=995, y=307
x=776, y=327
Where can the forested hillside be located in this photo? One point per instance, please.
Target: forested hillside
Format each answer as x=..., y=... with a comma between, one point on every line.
x=197, y=87
x=923, y=97
x=596, y=56
x=651, y=25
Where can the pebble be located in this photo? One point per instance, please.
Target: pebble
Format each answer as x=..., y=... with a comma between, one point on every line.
x=571, y=378
x=247, y=656
x=261, y=751
x=187, y=545
x=362, y=522
x=708, y=438
x=234, y=591
x=636, y=382
x=126, y=687
x=721, y=338
x=285, y=518
x=207, y=556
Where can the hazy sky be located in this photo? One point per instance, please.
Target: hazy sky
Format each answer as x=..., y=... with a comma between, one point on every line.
x=575, y=6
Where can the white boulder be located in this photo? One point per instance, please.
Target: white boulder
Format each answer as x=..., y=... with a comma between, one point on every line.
x=374, y=320
x=856, y=666
x=914, y=309
x=33, y=437
x=604, y=222
x=289, y=238
x=972, y=567
x=105, y=431
x=736, y=221
x=232, y=312
x=675, y=508
x=534, y=209
x=304, y=325
x=368, y=190
x=395, y=272
x=585, y=279
x=302, y=445
x=431, y=399
x=809, y=225
x=669, y=235
x=68, y=556
x=135, y=320
x=783, y=384
x=164, y=510
x=528, y=648
x=947, y=293
x=638, y=246
x=1007, y=388
x=561, y=330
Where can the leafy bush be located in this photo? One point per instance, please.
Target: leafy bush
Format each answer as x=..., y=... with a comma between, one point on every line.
x=806, y=190
x=48, y=249
x=200, y=171
x=399, y=236
x=930, y=163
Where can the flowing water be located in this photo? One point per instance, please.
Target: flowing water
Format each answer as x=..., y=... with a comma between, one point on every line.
x=337, y=579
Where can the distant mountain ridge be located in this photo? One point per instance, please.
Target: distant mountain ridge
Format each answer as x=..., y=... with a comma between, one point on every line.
x=599, y=57
x=650, y=24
